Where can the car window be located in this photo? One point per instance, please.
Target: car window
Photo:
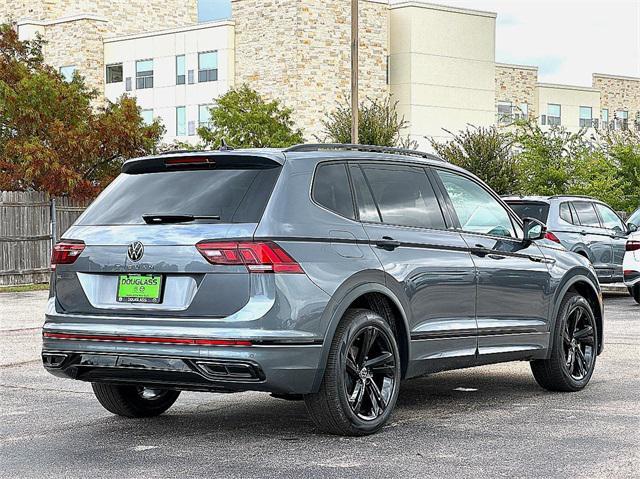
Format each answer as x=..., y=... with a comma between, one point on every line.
x=609, y=219
x=404, y=196
x=331, y=189
x=367, y=209
x=478, y=211
x=635, y=218
x=533, y=209
x=565, y=212
x=587, y=215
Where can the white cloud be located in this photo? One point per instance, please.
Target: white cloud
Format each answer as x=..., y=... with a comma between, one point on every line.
x=568, y=39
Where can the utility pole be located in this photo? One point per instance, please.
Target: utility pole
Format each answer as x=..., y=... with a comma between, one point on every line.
x=355, y=45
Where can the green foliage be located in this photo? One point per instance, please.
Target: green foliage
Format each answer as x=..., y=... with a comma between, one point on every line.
x=52, y=136
x=244, y=119
x=623, y=147
x=378, y=124
x=486, y=152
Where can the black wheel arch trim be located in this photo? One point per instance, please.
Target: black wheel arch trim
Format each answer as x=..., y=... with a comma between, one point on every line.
x=584, y=277
x=353, y=288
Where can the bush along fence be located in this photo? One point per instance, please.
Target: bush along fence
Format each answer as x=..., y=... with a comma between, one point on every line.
x=30, y=223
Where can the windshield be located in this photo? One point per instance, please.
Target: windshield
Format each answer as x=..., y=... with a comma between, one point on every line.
x=538, y=211
x=635, y=218
x=233, y=195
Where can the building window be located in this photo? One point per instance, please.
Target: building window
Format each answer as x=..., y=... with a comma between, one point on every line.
x=553, y=114
x=180, y=70
x=604, y=118
x=522, y=112
x=181, y=121
x=67, y=72
x=204, y=115
x=505, y=113
x=114, y=73
x=144, y=74
x=586, y=117
x=147, y=116
x=622, y=120
x=207, y=66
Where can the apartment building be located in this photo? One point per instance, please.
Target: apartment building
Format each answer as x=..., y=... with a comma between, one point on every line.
x=437, y=61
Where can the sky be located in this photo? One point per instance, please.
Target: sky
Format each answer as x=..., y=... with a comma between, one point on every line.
x=567, y=39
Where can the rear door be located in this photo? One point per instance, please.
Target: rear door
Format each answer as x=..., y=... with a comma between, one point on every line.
x=617, y=231
x=513, y=283
x=426, y=262
x=595, y=238
x=226, y=199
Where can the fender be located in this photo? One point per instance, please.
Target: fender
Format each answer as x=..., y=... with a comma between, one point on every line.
x=354, y=287
x=579, y=275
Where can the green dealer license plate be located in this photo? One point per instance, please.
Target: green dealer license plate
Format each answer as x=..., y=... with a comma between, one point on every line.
x=139, y=288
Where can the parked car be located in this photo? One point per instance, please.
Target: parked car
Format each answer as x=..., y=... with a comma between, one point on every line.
x=322, y=272
x=634, y=219
x=631, y=266
x=583, y=225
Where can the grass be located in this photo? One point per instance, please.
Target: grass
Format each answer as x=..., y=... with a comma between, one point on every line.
x=24, y=288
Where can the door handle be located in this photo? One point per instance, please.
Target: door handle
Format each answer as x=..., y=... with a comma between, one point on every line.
x=496, y=256
x=387, y=243
x=583, y=233
x=480, y=251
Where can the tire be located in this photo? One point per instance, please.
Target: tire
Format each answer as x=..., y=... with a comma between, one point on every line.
x=635, y=293
x=357, y=394
x=573, y=348
x=134, y=401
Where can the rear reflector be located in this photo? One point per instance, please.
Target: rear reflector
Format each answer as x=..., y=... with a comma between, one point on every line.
x=633, y=245
x=551, y=237
x=258, y=257
x=66, y=252
x=147, y=339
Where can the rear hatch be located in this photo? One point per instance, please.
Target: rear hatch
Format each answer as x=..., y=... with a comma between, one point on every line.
x=137, y=240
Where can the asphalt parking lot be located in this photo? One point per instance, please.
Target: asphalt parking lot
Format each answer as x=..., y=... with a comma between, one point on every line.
x=484, y=422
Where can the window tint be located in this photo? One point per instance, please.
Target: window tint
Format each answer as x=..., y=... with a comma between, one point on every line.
x=610, y=220
x=586, y=214
x=478, y=211
x=331, y=189
x=539, y=211
x=367, y=209
x=236, y=195
x=404, y=196
x=565, y=213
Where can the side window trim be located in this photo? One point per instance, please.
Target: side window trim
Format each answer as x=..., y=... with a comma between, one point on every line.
x=449, y=213
x=516, y=223
x=373, y=198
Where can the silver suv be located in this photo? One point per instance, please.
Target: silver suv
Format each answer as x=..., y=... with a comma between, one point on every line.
x=327, y=273
x=583, y=225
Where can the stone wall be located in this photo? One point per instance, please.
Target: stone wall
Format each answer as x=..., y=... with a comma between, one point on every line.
x=517, y=84
x=619, y=93
x=298, y=51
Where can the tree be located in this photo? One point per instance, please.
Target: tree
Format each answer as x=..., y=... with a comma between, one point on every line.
x=623, y=147
x=52, y=137
x=379, y=124
x=244, y=119
x=487, y=153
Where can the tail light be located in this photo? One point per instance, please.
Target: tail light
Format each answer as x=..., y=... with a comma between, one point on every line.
x=551, y=237
x=632, y=245
x=258, y=257
x=66, y=252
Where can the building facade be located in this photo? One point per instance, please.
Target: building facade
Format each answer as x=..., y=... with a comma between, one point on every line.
x=437, y=61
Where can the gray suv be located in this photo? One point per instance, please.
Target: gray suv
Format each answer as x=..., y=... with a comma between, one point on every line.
x=327, y=273
x=583, y=225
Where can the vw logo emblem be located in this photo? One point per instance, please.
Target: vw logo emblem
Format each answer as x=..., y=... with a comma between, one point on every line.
x=135, y=251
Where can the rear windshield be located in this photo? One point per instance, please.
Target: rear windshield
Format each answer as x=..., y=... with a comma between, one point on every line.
x=538, y=211
x=235, y=195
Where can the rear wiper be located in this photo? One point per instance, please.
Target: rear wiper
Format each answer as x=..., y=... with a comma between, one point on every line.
x=159, y=219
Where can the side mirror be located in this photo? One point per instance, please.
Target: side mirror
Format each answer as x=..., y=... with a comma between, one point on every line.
x=533, y=229
x=631, y=228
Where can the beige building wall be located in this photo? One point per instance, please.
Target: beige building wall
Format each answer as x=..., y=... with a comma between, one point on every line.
x=298, y=51
x=517, y=84
x=619, y=93
x=570, y=98
x=442, y=68
x=74, y=29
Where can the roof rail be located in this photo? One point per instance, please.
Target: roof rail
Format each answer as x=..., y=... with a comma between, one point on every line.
x=368, y=148
x=574, y=196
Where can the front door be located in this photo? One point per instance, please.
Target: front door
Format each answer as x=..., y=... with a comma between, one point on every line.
x=513, y=280
x=425, y=262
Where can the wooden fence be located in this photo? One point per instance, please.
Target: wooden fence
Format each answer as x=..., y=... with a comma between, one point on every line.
x=30, y=222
